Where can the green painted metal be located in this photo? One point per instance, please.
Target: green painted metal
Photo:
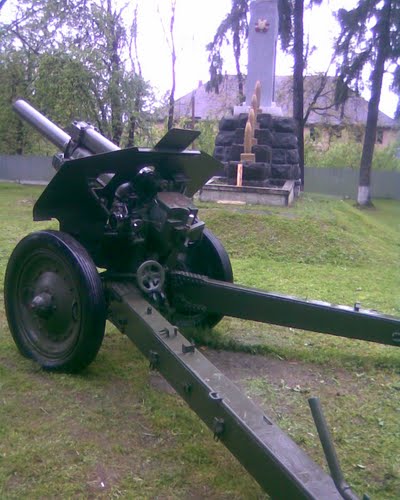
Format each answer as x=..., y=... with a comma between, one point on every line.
x=270, y=456
x=257, y=305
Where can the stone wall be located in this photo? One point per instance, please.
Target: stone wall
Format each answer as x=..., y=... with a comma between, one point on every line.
x=276, y=152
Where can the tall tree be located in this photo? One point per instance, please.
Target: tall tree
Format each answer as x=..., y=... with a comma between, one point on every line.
x=369, y=37
x=170, y=40
x=77, y=63
x=298, y=82
x=138, y=95
x=235, y=26
x=13, y=83
x=171, y=100
x=291, y=33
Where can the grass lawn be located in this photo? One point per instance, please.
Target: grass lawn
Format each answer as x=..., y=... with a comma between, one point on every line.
x=113, y=431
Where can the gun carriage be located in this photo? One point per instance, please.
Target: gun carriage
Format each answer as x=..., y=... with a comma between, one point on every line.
x=130, y=214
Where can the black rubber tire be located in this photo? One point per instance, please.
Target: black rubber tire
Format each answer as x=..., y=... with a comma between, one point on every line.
x=52, y=268
x=207, y=257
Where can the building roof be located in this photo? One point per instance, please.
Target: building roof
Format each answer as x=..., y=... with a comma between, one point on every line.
x=214, y=106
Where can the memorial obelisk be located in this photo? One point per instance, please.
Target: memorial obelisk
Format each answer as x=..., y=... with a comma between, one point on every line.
x=257, y=145
x=262, y=41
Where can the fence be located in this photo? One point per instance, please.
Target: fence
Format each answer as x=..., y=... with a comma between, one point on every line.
x=341, y=182
x=26, y=169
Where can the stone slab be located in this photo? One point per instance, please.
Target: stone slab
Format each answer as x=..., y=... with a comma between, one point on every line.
x=271, y=110
x=220, y=193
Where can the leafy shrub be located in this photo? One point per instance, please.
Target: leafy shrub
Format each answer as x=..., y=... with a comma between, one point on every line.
x=209, y=131
x=386, y=158
x=348, y=155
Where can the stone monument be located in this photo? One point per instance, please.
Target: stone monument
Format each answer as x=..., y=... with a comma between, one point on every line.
x=262, y=41
x=257, y=145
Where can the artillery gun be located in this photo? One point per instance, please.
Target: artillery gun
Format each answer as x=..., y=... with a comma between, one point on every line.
x=132, y=249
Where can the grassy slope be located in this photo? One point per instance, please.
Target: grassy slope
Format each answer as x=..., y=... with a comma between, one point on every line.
x=107, y=433
x=325, y=249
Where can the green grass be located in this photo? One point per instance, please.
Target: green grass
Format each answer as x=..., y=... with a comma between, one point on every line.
x=324, y=248
x=109, y=433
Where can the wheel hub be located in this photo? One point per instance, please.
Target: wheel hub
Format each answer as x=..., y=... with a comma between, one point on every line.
x=50, y=312
x=42, y=305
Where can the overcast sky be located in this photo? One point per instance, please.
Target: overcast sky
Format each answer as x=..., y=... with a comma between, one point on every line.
x=196, y=22
x=195, y=25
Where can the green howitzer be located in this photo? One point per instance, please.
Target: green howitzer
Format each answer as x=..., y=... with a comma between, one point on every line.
x=130, y=213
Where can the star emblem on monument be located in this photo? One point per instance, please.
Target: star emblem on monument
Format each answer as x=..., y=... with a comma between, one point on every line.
x=262, y=26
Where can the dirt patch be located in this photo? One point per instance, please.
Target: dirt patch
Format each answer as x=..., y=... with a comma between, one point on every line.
x=298, y=376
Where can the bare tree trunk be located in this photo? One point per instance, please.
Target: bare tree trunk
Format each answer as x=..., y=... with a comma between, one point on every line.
x=171, y=108
x=116, y=106
x=133, y=120
x=115, y=76
x=131, y=132
x=364, y=185
x=236, y=45
x=135, y=62
x=19, y=138
x=298, y=90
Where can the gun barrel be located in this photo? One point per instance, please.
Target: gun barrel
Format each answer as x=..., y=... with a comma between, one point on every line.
x=43, y=125
x=91, y=139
